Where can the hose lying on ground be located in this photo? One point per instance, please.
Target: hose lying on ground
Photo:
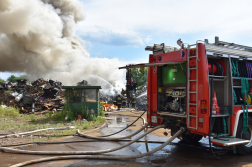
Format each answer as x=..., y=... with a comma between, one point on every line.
x=100, y=157
x=112, y=138
x=24, y=133
x=77, y=141
x=131, y=116
x=126, y=127
x=139, y=141
x=78, y=152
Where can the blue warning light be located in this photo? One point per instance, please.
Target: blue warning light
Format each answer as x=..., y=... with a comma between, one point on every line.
x=183, y=54
x=159, y=58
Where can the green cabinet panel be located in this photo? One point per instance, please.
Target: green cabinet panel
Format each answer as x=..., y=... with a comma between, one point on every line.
x=170, y=77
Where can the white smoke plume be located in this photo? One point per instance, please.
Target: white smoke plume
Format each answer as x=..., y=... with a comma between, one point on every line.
x=37, y=37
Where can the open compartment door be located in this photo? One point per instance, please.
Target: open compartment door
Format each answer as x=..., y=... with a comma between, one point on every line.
x=149, y=65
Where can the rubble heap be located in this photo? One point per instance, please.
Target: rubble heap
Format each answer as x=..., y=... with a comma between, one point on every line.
x=40, y=96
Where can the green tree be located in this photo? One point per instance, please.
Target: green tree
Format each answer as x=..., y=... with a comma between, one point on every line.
x=140, y=75
x=1, y=80
x=13, y=78
x=23, y=77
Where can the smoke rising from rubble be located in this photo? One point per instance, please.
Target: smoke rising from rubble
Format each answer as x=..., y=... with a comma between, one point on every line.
x=37, y=37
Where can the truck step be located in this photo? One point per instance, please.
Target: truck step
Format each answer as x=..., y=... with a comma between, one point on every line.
x=229, y=141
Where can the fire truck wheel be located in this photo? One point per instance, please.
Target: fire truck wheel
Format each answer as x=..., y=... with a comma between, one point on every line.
x=191, y=138
x=245, y=149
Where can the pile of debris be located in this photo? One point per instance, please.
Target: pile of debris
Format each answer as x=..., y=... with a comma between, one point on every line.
x=40, y=96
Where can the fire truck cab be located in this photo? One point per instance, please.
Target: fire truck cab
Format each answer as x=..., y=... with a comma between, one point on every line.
x=205, y=88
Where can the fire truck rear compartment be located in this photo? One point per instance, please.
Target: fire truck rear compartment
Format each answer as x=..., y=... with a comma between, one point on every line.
x=172, y=94
x=172, y=88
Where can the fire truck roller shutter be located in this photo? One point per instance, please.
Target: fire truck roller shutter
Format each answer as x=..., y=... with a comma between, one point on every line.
x=229, y=51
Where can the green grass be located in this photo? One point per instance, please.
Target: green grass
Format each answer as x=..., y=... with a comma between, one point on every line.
x=33, y=119
x=9, y=111
x=101, y=111
x=11, y=121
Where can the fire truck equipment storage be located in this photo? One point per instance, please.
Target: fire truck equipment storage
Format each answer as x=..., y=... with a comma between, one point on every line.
x=204, y=88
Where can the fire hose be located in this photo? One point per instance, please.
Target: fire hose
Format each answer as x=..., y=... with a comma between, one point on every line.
x=126, y=127
x=131, y=116
x=72, y=127
x=110, y=138
x=101, y=157
x=12, y=150
x=24, y=133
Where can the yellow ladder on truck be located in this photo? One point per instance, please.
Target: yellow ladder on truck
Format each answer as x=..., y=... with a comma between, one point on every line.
x=189, y=92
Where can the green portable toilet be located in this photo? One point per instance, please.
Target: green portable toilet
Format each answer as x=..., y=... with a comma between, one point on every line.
x=82, y=96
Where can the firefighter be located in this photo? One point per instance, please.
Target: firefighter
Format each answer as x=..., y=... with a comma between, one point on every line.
x=123, y=92
x=133, y=101
x=119, y=102
x=124, y=101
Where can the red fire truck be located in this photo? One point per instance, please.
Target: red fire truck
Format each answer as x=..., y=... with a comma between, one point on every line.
x=205, y=88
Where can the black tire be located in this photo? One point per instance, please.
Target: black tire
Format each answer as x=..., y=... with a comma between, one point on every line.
x=244, y=149
x=191, y=138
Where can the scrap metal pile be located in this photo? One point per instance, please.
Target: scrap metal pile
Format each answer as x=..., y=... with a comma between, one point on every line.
x=40, y=96
x=141, y=98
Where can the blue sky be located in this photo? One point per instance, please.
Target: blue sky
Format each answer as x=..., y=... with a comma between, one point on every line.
x=123, y=28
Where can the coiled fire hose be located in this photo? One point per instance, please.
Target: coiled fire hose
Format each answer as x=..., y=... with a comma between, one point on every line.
x=101, y=157
x=78, y=152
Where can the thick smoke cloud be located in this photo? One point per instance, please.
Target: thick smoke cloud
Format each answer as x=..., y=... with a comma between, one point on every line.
x=37, y=37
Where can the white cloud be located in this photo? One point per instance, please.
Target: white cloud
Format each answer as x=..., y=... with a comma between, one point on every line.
x=110, y=37
x=227, y=18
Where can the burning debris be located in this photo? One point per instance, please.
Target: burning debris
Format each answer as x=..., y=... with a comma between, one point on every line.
x=108, y=107
x=39, y=96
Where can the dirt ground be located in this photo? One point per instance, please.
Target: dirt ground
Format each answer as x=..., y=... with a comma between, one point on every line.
x=133, y=116
x=175, y=154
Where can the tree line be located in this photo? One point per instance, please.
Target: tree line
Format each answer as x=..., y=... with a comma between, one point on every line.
x=140, y=75
x=14, y=78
